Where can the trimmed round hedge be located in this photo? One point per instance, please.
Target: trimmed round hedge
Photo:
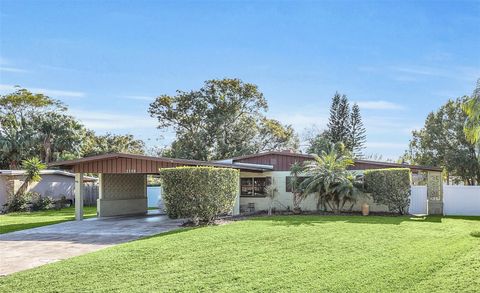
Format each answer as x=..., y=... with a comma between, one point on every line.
x=199, y=193
x=390, y=187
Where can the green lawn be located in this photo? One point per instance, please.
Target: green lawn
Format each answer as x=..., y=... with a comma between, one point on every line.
x=288, y=254
x=20, y=221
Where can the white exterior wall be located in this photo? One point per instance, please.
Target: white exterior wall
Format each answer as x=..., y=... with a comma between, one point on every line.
x=284, y=199
x=54, y=186
x=461, y=200
x=3, y=192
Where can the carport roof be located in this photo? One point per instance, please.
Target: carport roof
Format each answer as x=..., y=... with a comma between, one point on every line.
x=129, y=163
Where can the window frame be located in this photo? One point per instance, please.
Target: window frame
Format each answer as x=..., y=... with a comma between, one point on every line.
x=252, y=186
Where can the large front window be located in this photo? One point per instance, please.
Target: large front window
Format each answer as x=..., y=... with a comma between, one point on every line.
x=254, y=186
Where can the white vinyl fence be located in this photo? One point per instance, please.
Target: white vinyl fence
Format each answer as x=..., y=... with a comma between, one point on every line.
x=418, y=200
x=461, y=200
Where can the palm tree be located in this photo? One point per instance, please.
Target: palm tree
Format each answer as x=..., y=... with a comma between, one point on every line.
x=472, y=109
x=330, y=180
x=32, y=167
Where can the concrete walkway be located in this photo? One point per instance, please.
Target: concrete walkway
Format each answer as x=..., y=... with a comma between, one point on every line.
x=31, y=248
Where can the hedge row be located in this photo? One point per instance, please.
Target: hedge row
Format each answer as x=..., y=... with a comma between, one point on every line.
x=390, y=187
x=199, y=193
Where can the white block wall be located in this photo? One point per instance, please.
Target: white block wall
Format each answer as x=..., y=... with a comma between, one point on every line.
x=461, y=200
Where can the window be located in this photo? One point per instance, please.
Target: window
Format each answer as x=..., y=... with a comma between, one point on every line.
x=254, y=186
x=289, y=182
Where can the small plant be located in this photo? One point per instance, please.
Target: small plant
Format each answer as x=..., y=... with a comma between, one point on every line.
x=271, y=191
x=28, y=202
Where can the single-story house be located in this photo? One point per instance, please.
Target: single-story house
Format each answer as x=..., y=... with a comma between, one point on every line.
x=276, y=167
x=123, y=180
x=54, y=183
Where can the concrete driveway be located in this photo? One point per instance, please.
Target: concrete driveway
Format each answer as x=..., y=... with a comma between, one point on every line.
x=31, y=248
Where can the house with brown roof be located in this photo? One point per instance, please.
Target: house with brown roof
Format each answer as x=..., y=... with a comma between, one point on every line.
x=123, y=179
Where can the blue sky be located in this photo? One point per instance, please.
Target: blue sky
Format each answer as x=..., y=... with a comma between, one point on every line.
x=108, y=59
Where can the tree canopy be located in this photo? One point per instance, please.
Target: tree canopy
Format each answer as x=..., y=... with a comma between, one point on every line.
x=345, y=127
x=37, y=126
x=225, y=118
x=442, y=142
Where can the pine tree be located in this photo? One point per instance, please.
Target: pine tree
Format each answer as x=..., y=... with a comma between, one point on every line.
x=338, y=124
x=357, y=135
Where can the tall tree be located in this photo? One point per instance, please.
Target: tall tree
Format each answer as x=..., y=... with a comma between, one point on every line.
x=57, y=133
x=17, y=132
x=339, y=120
x=345, y=126
x=442, y=142
x=225, y=118
x=357, y=133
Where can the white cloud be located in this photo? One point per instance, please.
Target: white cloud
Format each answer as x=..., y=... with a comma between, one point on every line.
x=379, y=105
x=99, y=120
x=13, y=69
x=5, y=88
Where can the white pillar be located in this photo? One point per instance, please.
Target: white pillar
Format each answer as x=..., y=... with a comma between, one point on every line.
x=78, y=196
x=100, y=193
x=236, y=207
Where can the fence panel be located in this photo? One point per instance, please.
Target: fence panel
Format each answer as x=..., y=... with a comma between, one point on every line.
x=90, y=194
x=461, y=200
x=418, y=200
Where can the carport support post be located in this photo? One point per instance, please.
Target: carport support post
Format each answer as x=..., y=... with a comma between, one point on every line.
x=78, y=196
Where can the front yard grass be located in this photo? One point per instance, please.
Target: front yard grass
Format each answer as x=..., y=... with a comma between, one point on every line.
x=23, y=220
x=282, y=253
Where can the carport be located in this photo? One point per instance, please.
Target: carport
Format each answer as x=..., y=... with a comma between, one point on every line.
x=123, y=180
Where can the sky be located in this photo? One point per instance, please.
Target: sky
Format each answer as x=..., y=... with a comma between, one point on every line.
x=107, y=60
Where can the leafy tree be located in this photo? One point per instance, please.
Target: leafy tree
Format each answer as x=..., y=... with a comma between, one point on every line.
x=330, y=181
x=17, y=133
x=111, y=143
x=222, y=119
x=472, y=108
x=442, y=142
x=32, y=167
x=356, y=136
x=57, y=134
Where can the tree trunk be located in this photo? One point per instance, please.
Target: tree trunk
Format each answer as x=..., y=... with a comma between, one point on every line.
x=47, y=148
x=23, y=187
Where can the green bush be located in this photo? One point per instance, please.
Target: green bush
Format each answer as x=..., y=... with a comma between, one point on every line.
x=199, y=193
x=390, y=187
x=28, y=202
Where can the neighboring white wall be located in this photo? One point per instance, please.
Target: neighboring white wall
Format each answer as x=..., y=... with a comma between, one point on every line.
x=461, y=200
x=284, y=199
x=54, y=186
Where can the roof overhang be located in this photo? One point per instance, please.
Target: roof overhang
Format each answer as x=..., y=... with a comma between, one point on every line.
x=129, y=163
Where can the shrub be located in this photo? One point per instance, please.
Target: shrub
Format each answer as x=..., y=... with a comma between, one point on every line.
x=28, y=202
x=199, y=193
x=390, y=187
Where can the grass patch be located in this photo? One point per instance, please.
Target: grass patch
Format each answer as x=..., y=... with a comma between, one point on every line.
x=284, y=253
x=23, y=220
